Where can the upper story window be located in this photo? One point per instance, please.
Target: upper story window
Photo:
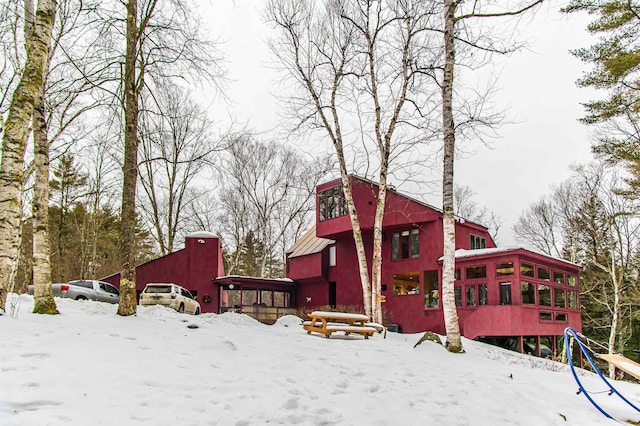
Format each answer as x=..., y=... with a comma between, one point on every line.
x=503, y=269
x=332, y=256
x=405, y=244
x=477, y=242
x=332, y=204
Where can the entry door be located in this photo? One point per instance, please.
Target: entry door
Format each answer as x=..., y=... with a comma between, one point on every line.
x=332, y=294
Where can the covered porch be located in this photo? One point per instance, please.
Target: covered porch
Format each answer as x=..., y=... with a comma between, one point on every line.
x=264, y=299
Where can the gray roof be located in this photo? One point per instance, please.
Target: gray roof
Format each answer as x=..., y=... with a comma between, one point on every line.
x=308, y=243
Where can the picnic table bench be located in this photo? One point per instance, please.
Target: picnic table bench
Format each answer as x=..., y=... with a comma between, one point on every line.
x=328, y=323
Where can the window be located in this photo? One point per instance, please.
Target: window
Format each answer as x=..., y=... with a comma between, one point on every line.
x=415, y=243
x=558, y=298
x=395, y=247
x=526, y=270
x=476, y=294
x=281, y=299
x=503, y=269
x=331, y=204
x=483, y=294
x=546, y=316
x=332, y=255
x=573, y=300
x=471, y=295
x=431, y=295
x=505, y=293
x=322, y=206
x=561, y=317
x=558, y=277
x=572, y=280
x=407, y=283
x=528, y=293
x=477, y=242
x=457, y=291
x=249, y=297
x=405, y=244
x=544, y=295
x=266, y=297
x=458, y=274
x=476, y=272
x=544, y=274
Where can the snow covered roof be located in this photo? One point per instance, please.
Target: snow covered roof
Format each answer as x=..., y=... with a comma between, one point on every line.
x=202, y=234
x=243, y=277
x=463, y=253
x=308, y=243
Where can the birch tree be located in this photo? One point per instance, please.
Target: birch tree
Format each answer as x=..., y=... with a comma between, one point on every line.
x=458, y=29
x=365, y=62
x=16, y=128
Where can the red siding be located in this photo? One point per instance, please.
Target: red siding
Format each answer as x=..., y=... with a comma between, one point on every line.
x=193, y=267
x=402, y=214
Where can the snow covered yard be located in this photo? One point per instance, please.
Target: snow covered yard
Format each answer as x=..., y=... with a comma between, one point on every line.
x=89, y=366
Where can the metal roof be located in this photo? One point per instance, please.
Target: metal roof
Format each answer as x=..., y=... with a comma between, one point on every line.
x=308, y=243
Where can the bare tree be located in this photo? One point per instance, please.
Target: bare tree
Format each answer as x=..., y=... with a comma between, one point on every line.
x=589, y=221
x=16, y=129
x=367, y=63
x=162, y=41
x=457, y=29
x=467, y=208
x=267, y=192
x=177, y=146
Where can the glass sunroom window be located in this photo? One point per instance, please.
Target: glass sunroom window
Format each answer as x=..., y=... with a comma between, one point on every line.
x=558, y=277
x=471, y=295
x=573, y=300
x=505, y=293
x=483, y=294
x=544, y=295
x=559, y=298
x=503, y=269
x=544, y=274
x=528, y=291
x=476, y=272
x=526, y=270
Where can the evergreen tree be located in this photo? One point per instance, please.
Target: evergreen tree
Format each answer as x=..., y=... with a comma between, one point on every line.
x=616, y=69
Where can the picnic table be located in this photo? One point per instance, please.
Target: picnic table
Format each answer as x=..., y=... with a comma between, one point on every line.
x=328, y=323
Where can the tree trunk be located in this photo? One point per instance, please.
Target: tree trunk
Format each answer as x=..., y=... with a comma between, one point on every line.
x=128, y=298
x=16, y=130
x=454, y=342
x=376, y=264
x=363, y=267
x=43, y=295
x=615, y=315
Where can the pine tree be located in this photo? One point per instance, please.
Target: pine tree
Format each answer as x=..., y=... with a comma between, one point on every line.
x=616, y=64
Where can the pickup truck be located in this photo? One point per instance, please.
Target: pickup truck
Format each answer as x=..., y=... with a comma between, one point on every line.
x=85, y=290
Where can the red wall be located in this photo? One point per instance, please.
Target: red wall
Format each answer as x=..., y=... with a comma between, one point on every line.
x=193, y=267
x=402, y=213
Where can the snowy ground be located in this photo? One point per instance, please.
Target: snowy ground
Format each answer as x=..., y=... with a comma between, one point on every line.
x=89, y=366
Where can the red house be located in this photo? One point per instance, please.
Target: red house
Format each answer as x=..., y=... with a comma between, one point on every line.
x=509, y=296
x=199, y=268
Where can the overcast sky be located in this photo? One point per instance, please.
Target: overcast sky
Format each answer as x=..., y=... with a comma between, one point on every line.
x=537, y=89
